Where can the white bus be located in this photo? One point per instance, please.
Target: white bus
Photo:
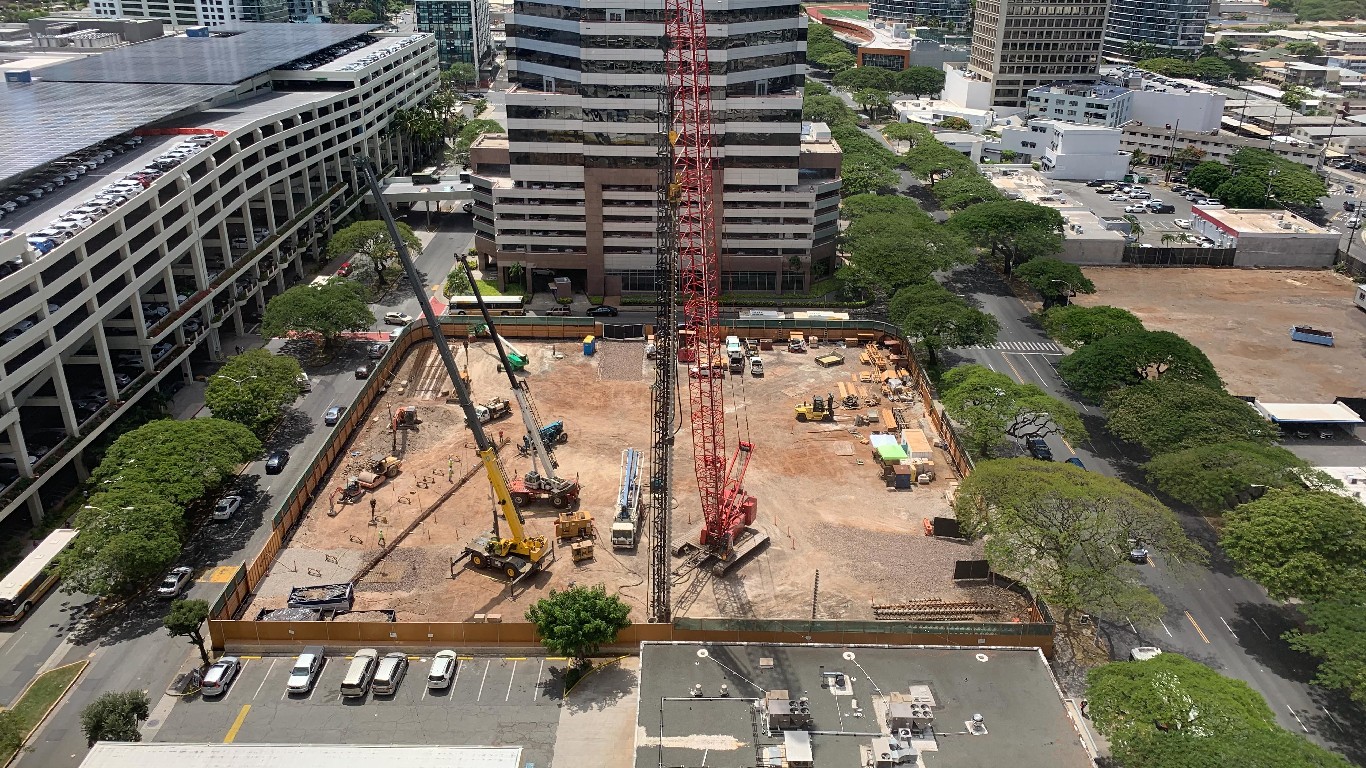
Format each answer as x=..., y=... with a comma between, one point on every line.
x=497, y=305
x=24, y=586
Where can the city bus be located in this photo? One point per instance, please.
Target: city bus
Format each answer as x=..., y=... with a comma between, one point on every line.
x=498, y=305
x=24, y=586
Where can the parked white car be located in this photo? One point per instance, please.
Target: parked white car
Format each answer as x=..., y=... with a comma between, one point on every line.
x=1135, y=209
x=1183, y=223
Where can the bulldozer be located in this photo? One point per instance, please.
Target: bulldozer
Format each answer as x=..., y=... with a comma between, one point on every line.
x=817, y=409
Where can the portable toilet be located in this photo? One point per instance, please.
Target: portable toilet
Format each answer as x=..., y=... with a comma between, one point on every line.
x=590, y=345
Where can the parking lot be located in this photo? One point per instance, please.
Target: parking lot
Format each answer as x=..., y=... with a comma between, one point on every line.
x=493, y=700
x=1154, y=224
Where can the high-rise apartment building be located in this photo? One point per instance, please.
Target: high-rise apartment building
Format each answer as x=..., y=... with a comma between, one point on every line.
x=949, y=13
x=461, y=28
x=186, y=13
x=572, y=187
x=1139, y=29
x=1020, y=44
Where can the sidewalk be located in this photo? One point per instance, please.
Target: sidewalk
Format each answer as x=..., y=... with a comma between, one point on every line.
x=600, y=710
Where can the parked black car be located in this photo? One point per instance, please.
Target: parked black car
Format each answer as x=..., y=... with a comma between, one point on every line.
x=1039, y=449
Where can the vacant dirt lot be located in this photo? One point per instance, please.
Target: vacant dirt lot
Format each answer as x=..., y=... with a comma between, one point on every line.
x=1241, y=318
x=821, y=499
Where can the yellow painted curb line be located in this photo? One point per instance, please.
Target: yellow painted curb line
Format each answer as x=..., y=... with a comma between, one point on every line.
x=83, y=664
x=591, y=671
x=237, y=724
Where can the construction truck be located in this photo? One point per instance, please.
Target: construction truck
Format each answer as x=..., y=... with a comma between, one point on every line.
x=516, y=361
x=541, y=483
x=496, y=408
x=626, y=523
x=518, y=554
x=816, y=410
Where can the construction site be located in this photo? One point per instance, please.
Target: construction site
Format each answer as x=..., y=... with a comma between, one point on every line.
x=845, y=471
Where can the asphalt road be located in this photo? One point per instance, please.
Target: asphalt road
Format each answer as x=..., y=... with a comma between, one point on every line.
x=128, y=649
x=1212, y=615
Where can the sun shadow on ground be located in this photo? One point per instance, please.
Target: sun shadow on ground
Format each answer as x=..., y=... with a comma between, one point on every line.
x=602, y=688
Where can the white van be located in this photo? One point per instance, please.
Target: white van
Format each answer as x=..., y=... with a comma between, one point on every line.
x=357, y=680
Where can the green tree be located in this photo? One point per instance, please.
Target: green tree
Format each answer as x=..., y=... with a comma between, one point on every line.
x=837, y=61
x=253, y=388
x=873, y=101
x=1135, y=227
x=858, y=206
x=1260, y=748
x=1293, y=96
x=1288, y=181
x=326, y=311
x=814, y=87
x=369, y=241
x=1208, y=176
x=1243, y=192
x=1074, y=326
x=185, y=619
x=469, y=134
x=931, y=161
x=991, y=406
x=825, y=109
x=128, y=536
x=115, y=716
x=914, y=133
x=1299, y=544
x=1107, y=364
x=876, y=78
x=1212, y=69
x=577, y=621
x=179, y=461
x=1171, y=695
x=461, y=75
x=935, y=318
x=1170, y=67
x=918, y=81
x=1055, y=280
x=1171, y=414
x=889, y=251
x=1058, y=529
x=361, y=16
x=1338, y=641
x=1011, y=231
x=457, y=284
x=1137, y=157
x=962, y=190
x=955, y=124
x=1216, y=477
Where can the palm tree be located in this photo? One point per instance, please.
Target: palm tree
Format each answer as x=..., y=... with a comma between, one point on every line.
x=1137, y=157
x=1135, y=228
x=1168, y=238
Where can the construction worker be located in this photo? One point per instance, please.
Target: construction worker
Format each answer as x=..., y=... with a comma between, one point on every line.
x=829, y=401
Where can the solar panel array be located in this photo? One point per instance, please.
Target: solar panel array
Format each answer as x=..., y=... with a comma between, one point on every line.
x=42, y=121
x=228, y=55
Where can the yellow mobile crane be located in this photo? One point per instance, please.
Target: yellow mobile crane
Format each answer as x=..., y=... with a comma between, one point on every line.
x=516, y=555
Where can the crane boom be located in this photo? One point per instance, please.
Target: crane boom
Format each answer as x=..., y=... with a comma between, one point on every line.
x=519, y=554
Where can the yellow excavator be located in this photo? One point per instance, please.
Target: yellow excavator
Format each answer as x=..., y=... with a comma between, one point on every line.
x=518, y=554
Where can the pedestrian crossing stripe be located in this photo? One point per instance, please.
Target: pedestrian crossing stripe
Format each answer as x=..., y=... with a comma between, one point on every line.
x=1041, y=347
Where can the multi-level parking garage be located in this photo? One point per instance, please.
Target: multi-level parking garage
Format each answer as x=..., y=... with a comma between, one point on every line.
x=158, y=195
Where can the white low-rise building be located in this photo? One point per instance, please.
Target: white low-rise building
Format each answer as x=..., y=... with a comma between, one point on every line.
x=1266, y=238
x=931, y=112
x=1081, y=103
x=1068, y=151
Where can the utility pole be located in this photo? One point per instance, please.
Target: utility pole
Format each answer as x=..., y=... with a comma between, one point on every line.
x=815, y=594
x=1171, y=153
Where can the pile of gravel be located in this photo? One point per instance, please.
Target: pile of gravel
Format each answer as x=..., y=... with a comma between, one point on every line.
x=621, y=360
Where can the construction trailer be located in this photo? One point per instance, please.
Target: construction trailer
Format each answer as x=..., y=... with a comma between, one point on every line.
x=626, y=523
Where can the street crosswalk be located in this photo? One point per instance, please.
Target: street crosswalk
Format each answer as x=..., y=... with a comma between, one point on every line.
x=1037, y=347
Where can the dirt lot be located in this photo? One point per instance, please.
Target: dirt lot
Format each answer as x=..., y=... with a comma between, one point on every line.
x=821, y=499
x=1241, y=318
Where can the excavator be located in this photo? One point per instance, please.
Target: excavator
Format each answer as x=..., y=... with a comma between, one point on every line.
x=518, y=554
x=542, y=483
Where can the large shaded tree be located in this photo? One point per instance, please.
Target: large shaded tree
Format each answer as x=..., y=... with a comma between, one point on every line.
x=253, y=388
x=115, y=716
x=1059, y=530
x=1108, y=364
x=866, y=77
x=962, y=190
x=1299, y=544
x=1011, y=231
x=1218, y=476
x=1338, y=641
x=1171, y=694
x=1055, y=280
x=327, y=311
x=991, y=406
x=1172, y=415
x=1208, y=176
x=369, y=243
x=824, y=109
x=935, y=318
x=1259, y=748
x=889, y=251
x=127, y=538
x=1074, y=326
x=858, y=206
x=918, y=81
x=577, y=621
x=180, y=461
x=931, y=161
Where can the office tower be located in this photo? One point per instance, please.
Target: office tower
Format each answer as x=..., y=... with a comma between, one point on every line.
x=1020, y=44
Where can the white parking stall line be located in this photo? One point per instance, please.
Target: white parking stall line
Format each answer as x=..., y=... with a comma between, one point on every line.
x=483, y=680
x=264, y=679
x=241, y=672
x=459, y=665
x=536, y=688
x=511, y=677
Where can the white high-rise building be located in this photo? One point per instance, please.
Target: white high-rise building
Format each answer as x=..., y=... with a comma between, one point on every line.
x=572, y=187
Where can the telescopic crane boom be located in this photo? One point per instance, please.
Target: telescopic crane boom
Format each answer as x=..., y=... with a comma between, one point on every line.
x=542, y=482
x=518, y=554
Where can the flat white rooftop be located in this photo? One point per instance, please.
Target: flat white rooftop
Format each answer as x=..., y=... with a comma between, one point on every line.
x=1258, y=221
x=106, y=754
x=1307, y=413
